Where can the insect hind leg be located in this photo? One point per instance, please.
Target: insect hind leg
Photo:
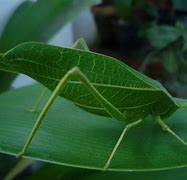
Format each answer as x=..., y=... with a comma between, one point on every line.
x=127, y=127
x=165, y=127
x=74, y=72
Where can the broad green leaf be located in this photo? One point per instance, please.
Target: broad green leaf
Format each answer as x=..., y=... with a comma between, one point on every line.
x=158, y=175
x=51, y=171
x=161, y=36
x=73, y=137
x=132, y=93
x=38, y=21
x=183, y=102
x=55, y=172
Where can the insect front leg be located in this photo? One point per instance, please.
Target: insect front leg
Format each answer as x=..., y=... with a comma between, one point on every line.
x=75, y=72
x=127, y=127
x=75, y=45
x=165, y=127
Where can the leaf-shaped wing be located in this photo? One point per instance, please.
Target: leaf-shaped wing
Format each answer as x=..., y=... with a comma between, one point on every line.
x=131, y=92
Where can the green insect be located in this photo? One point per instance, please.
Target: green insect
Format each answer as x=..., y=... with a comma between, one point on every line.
x=96, y=83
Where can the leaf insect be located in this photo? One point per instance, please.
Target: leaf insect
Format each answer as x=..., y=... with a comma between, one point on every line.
x=112, y=88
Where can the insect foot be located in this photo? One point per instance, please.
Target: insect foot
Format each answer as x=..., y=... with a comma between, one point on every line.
x=165, y=127
x=127, y=127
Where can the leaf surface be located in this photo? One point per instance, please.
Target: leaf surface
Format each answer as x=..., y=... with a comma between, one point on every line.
x=73, y=137
x=55, y=172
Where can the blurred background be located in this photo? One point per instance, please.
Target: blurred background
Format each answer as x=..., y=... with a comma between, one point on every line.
x=148, y=35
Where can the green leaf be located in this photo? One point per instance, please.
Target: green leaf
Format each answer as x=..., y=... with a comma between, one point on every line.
x=38, y=21
x=182, y=102
x=50, y=171
x=161, y=36
x=132, y=93
x=158, y=175
x=71, y=136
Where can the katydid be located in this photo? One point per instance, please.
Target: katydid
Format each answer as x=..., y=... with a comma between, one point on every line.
x=94, y=82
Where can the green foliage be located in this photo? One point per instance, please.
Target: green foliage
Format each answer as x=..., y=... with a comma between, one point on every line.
x=161, y=36
x=60, y=172
x=71, y=136
x=169, y=45
x=51, y=171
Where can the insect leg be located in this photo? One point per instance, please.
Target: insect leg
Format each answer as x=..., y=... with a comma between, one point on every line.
x=165, y=127
x=39, y=100
x=127, y=127
x=81, y=42
x=75, y=45
x=75, y=72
